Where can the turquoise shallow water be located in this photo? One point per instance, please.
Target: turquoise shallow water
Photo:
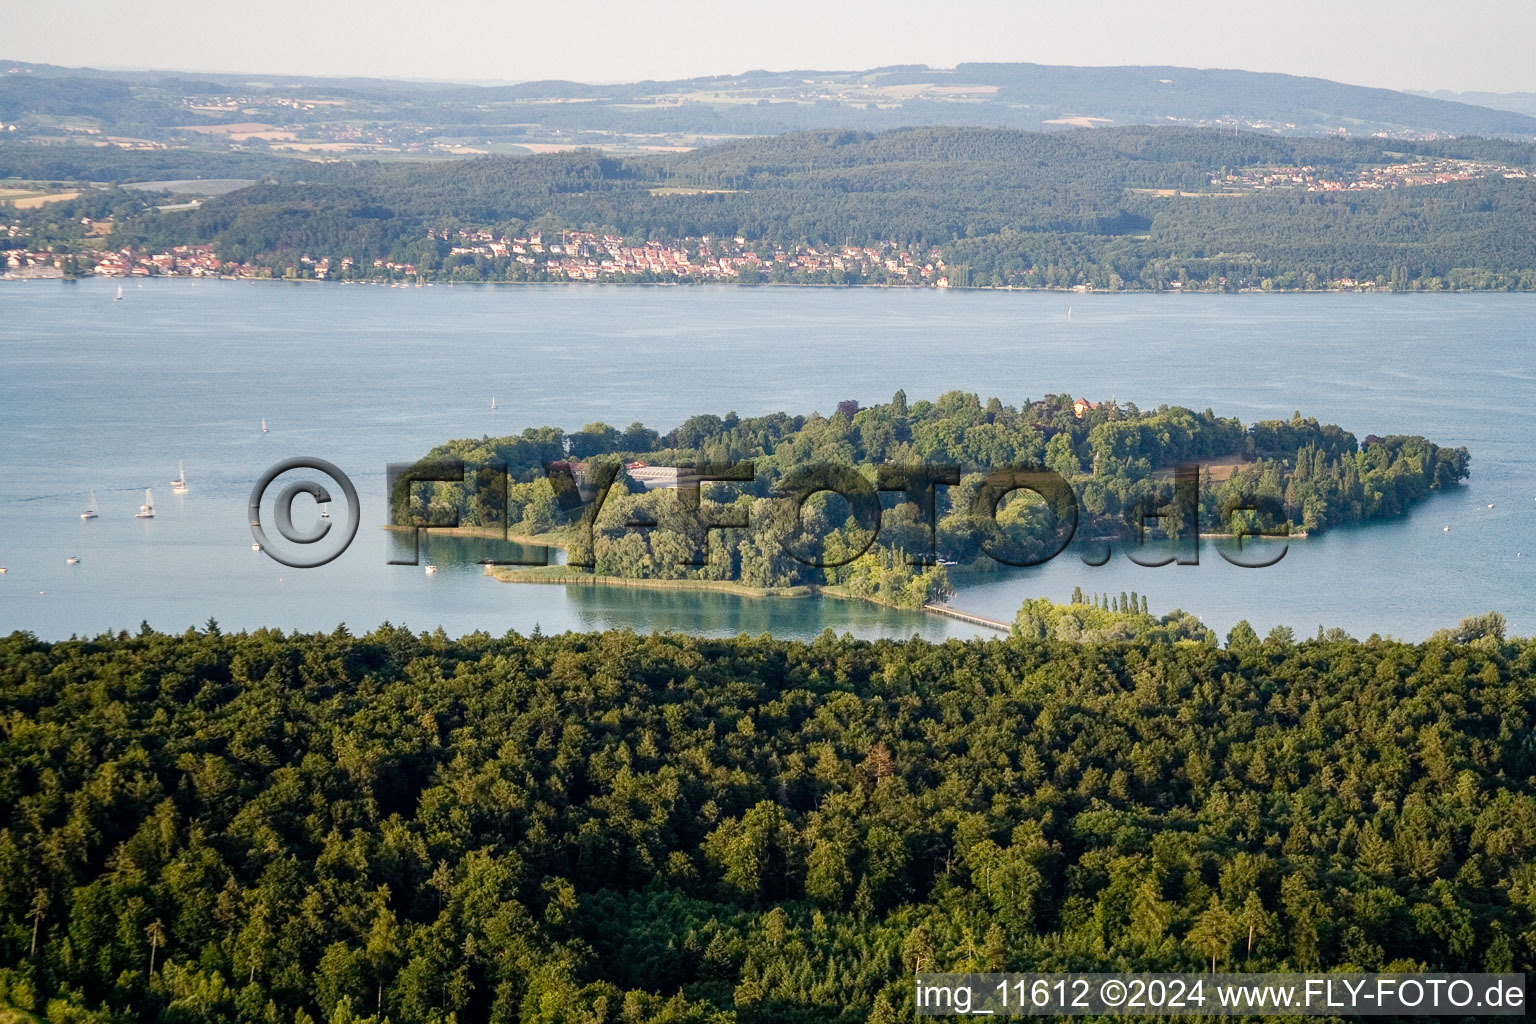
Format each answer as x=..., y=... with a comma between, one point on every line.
x=109, y=396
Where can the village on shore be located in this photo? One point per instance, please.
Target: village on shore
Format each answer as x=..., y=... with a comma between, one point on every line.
x=482, y=255
x=575, y=256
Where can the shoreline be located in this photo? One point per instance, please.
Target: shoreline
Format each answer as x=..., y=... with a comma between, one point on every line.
x=561, y=576
x=1055, y=290
x=557, y=573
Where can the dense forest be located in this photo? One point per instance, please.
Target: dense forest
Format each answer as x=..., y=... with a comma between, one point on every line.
x=1001, y=208
x=109, y=165
x=1115, y=463
x=617, y=828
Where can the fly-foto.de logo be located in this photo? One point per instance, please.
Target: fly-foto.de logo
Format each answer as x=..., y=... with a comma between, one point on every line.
x=822, y=514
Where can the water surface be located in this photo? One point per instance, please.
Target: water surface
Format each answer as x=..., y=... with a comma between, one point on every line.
x=104, y=395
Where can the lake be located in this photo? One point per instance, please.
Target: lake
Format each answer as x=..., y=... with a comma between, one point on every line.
x=105, y=396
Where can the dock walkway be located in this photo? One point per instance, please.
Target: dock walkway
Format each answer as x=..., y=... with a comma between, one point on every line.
x=975, y=620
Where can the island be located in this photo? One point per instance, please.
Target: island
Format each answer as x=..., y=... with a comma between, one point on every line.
x=895, y=502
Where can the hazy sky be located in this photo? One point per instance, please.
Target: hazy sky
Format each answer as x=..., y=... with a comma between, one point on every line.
x=1403, y=44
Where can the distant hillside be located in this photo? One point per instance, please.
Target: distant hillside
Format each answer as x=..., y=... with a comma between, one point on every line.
x=352, y=117
x=1149, y=95
x=1519, y=102
x=1135, y=207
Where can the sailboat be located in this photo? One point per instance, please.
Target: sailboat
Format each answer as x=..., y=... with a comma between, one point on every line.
x=146, y=510
x=493, y=405
x=325, y=510
x=1069, y=312
x=179, y=485
x=119, y=294
x=90, y=510
x=263, y=424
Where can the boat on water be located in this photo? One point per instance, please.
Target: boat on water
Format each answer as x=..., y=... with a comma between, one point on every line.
x=90, y=510
x=119, y=294
x=179, y=485
x=493, y=405
x=255, y=546
x=72, y=560
x=325, y=510
x=431, y=570
x=263, y=424
x=146, y=510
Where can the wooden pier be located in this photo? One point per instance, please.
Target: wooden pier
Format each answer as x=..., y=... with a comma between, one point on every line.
x=975, y=620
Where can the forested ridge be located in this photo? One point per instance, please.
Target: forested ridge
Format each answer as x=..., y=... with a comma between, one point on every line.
x=612, y=827
x=153, y=104
x=1002, y=208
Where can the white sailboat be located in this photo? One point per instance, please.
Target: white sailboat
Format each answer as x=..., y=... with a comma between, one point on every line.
x=146, y=510
x=493, y=405
x=263, y=424
x=90, y=510
x=119, y=294
x=179, y=485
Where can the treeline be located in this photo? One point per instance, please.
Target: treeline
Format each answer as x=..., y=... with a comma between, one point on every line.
x=1106, y=618
x=1005, y=208
x=82, y=164
x=1278, y=477
x=616, y=828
